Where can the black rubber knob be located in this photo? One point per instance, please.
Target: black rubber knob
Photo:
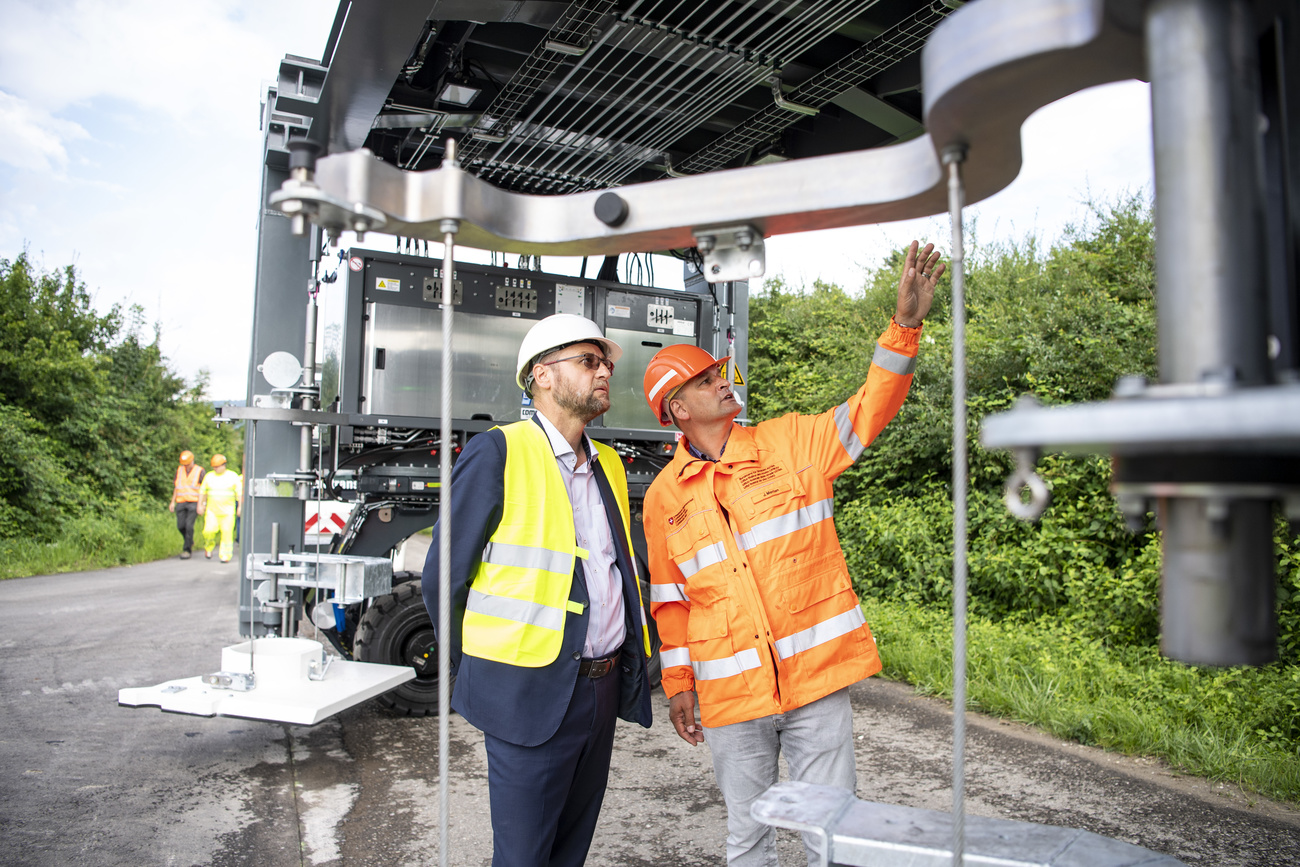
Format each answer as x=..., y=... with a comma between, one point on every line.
x=303, y=153
x=611, y=209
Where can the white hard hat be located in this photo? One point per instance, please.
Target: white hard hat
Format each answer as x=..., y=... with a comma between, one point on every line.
x=558, y=330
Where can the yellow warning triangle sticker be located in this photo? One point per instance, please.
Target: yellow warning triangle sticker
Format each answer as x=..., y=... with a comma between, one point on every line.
x=736, y=377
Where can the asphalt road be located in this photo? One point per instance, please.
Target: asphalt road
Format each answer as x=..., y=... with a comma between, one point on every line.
x=85, y=781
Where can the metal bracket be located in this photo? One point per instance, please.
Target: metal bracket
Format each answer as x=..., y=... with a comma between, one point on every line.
x=239, y=681
x=781, y=102
x=731, y=253
x=273, y=488
x=300, y=199
x=317, y=668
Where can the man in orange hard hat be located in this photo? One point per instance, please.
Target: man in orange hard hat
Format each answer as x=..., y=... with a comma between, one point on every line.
x=759, y=621
x=220, y=496
x=185, y=499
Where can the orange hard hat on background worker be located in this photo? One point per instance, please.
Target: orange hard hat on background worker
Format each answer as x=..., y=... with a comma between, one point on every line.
x=218, y=461
x=187, y=457
x=670, y=369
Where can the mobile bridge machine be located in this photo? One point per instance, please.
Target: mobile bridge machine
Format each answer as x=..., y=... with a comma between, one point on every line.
x=542, y=98
x=607, y=127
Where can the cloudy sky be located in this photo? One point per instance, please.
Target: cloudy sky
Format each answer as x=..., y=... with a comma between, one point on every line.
x=130, y=148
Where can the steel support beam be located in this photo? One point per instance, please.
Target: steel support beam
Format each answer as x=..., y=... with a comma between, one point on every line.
x=279, y=319
x=1218, y=583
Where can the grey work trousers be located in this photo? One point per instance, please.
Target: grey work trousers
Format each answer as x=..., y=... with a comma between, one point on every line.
x=817, y=741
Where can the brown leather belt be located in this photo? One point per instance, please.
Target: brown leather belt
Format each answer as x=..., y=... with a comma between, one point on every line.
x=596, y=668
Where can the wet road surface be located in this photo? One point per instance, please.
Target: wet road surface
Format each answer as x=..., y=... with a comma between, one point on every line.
x=85, y=781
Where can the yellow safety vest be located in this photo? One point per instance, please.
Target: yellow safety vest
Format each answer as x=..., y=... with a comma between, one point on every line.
x=519, y=595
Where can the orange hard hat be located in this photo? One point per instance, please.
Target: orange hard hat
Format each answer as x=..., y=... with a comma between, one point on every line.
x=218, y=460
x=670, y=369
x=187, y=457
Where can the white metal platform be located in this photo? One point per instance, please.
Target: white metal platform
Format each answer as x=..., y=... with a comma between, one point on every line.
x=292, y=683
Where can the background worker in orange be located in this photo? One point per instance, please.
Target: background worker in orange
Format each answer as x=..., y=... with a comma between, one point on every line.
x=185, y=499
x=759, y=621
x=220, y=496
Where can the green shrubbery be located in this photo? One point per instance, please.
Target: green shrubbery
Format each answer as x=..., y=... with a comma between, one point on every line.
x=1075, y=589
x=1236, y=724
x=91, y=422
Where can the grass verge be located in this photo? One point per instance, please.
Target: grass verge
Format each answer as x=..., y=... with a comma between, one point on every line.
x=128, y=534
x=1239, y=725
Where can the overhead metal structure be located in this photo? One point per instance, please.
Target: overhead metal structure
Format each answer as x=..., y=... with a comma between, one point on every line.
x=558, y=97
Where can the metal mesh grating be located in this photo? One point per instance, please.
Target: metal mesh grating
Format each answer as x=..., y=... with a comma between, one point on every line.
x=896, y=43
x=648, y=76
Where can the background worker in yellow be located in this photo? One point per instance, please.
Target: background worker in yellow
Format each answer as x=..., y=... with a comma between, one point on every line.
x=759, y=621
x=185, y=499
x=220, y=498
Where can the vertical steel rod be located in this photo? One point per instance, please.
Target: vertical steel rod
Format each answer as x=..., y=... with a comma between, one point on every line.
x=248, y=528
x=953, y=158
x=449, y=229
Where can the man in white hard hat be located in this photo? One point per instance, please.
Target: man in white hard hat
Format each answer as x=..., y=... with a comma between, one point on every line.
x=549, y=636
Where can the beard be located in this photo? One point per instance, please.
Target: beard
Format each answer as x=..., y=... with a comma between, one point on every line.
x=585, y=406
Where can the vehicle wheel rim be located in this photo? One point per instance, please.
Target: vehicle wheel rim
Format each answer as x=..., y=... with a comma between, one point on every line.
x=421, y=653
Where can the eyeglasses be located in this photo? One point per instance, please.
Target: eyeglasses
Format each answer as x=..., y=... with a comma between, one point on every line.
x=589, y=360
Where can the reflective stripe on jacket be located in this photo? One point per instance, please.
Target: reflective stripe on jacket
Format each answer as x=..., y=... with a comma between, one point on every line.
x=187, y=483
x=519, y=595
x=749, y=586
x=223, y=491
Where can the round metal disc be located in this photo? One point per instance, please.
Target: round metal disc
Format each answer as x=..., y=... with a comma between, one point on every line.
x=281, y=369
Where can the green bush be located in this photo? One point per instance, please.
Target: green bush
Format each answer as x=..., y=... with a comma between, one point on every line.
x=129, y=531
x=92, y=420
x=1237, y=724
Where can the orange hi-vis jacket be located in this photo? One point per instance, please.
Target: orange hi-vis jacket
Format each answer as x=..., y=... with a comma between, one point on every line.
x=187, y=483
x=748, y=584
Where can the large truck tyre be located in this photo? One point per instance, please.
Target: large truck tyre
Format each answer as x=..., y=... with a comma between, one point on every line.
x=396, y=630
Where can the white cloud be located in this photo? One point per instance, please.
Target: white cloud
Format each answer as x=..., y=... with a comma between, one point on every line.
x=31, y=139
x=198, y=63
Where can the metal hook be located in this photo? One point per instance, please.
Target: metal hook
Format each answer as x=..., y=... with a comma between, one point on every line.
x=1025, y=477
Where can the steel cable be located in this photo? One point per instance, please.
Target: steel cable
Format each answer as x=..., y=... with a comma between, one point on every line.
x=953, y=158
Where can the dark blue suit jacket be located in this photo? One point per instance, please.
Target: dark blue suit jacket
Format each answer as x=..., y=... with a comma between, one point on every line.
x=523, y=705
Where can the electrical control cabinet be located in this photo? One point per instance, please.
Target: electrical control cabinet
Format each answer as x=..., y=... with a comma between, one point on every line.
x=380, y=348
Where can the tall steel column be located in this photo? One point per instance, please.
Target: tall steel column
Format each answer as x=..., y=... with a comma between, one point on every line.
x=279, y=322
x=1217, y=595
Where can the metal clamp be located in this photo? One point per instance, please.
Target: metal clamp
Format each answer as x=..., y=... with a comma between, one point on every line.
x=731, y=253
x=316, y=668
x=302, y=199
x=238, y=681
